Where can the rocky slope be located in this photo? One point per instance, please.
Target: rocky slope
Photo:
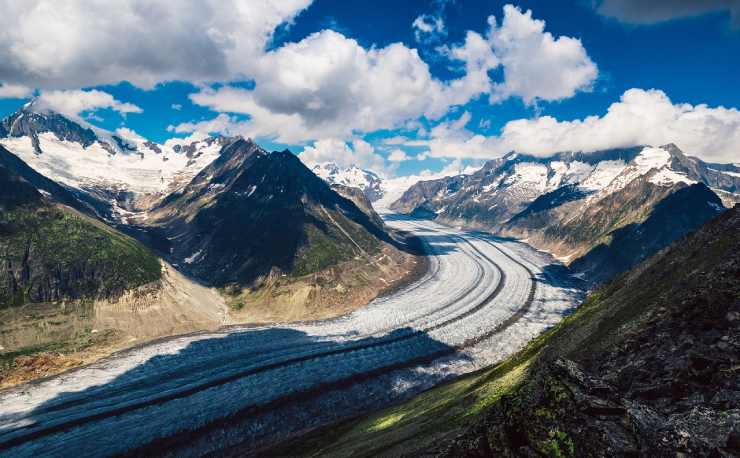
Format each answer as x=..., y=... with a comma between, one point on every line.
x=250, y=214
x=359, y=198
x=574, y=203
x=646, y=366
x=354, y=177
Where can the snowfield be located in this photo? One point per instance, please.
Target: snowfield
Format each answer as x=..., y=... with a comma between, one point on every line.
x=482, y=299
x=144, y=171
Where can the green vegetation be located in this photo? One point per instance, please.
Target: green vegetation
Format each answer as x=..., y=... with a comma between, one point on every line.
x=320, y=251
x=446, y=410
x=56, y=253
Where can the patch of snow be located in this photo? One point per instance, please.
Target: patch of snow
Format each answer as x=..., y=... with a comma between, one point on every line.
x=732, y=174
x=193, y=257
x=667, y=177
x=717, y=207
x=528, y=172
x=650, y=158
x=603, y=174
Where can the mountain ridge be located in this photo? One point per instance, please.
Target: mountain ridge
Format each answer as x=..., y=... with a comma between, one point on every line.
x=569, y=203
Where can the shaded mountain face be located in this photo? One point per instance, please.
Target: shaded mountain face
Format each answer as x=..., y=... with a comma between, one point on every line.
x=127, y=173
x=50, y=252
x=570, y=204
x=678, y=214
x=354, y=177
x=360, y=200
x=251, y=213
x=645, y=367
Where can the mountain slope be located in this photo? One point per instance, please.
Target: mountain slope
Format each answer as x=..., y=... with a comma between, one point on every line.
x=52, y=253
x=645, y=367
x=250, y=213
x=73, y=289
x=679, y=213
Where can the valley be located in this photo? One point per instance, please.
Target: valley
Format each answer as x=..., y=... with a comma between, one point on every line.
x=319, y=228
x=195, y=316
x=482, y=299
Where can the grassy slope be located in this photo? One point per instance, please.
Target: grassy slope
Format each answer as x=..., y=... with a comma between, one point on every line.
x=610, y=316
x=62, y=240
x=43, y=327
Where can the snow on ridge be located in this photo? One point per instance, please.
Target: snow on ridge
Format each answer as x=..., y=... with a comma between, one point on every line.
x=141, y=171
x=348, y=176
x=602, y=175
x=667, y=177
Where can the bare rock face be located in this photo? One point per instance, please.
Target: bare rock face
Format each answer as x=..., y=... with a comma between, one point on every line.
x=647, y=367
x=359, y=198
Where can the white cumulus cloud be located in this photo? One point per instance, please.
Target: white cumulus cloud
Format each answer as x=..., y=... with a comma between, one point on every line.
x=74, y=102
x=639, y=117
x=50, y=44
x=14, y=91
x=537, y=66
x=398, y=155
x=327, y=85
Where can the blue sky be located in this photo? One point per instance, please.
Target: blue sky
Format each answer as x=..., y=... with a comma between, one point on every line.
x=650, y=62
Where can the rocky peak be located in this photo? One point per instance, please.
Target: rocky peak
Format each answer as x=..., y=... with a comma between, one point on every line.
x=29, y=122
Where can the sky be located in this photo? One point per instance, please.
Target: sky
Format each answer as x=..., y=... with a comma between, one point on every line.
x=401, y=88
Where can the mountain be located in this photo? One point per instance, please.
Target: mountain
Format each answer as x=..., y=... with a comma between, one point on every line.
x=250, y=213
x=577, y=204
x=679, y=213
x=191, y=201
x=353, y=177
x=646, y=366
x=50, y=252
x=360, y=199
x=123, y=172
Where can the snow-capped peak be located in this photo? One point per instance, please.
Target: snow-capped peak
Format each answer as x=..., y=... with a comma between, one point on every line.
x=74, y=153
x=353, y=176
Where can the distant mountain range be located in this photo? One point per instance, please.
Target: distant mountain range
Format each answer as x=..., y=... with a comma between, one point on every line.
x=354, y=177
x=603, y=212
